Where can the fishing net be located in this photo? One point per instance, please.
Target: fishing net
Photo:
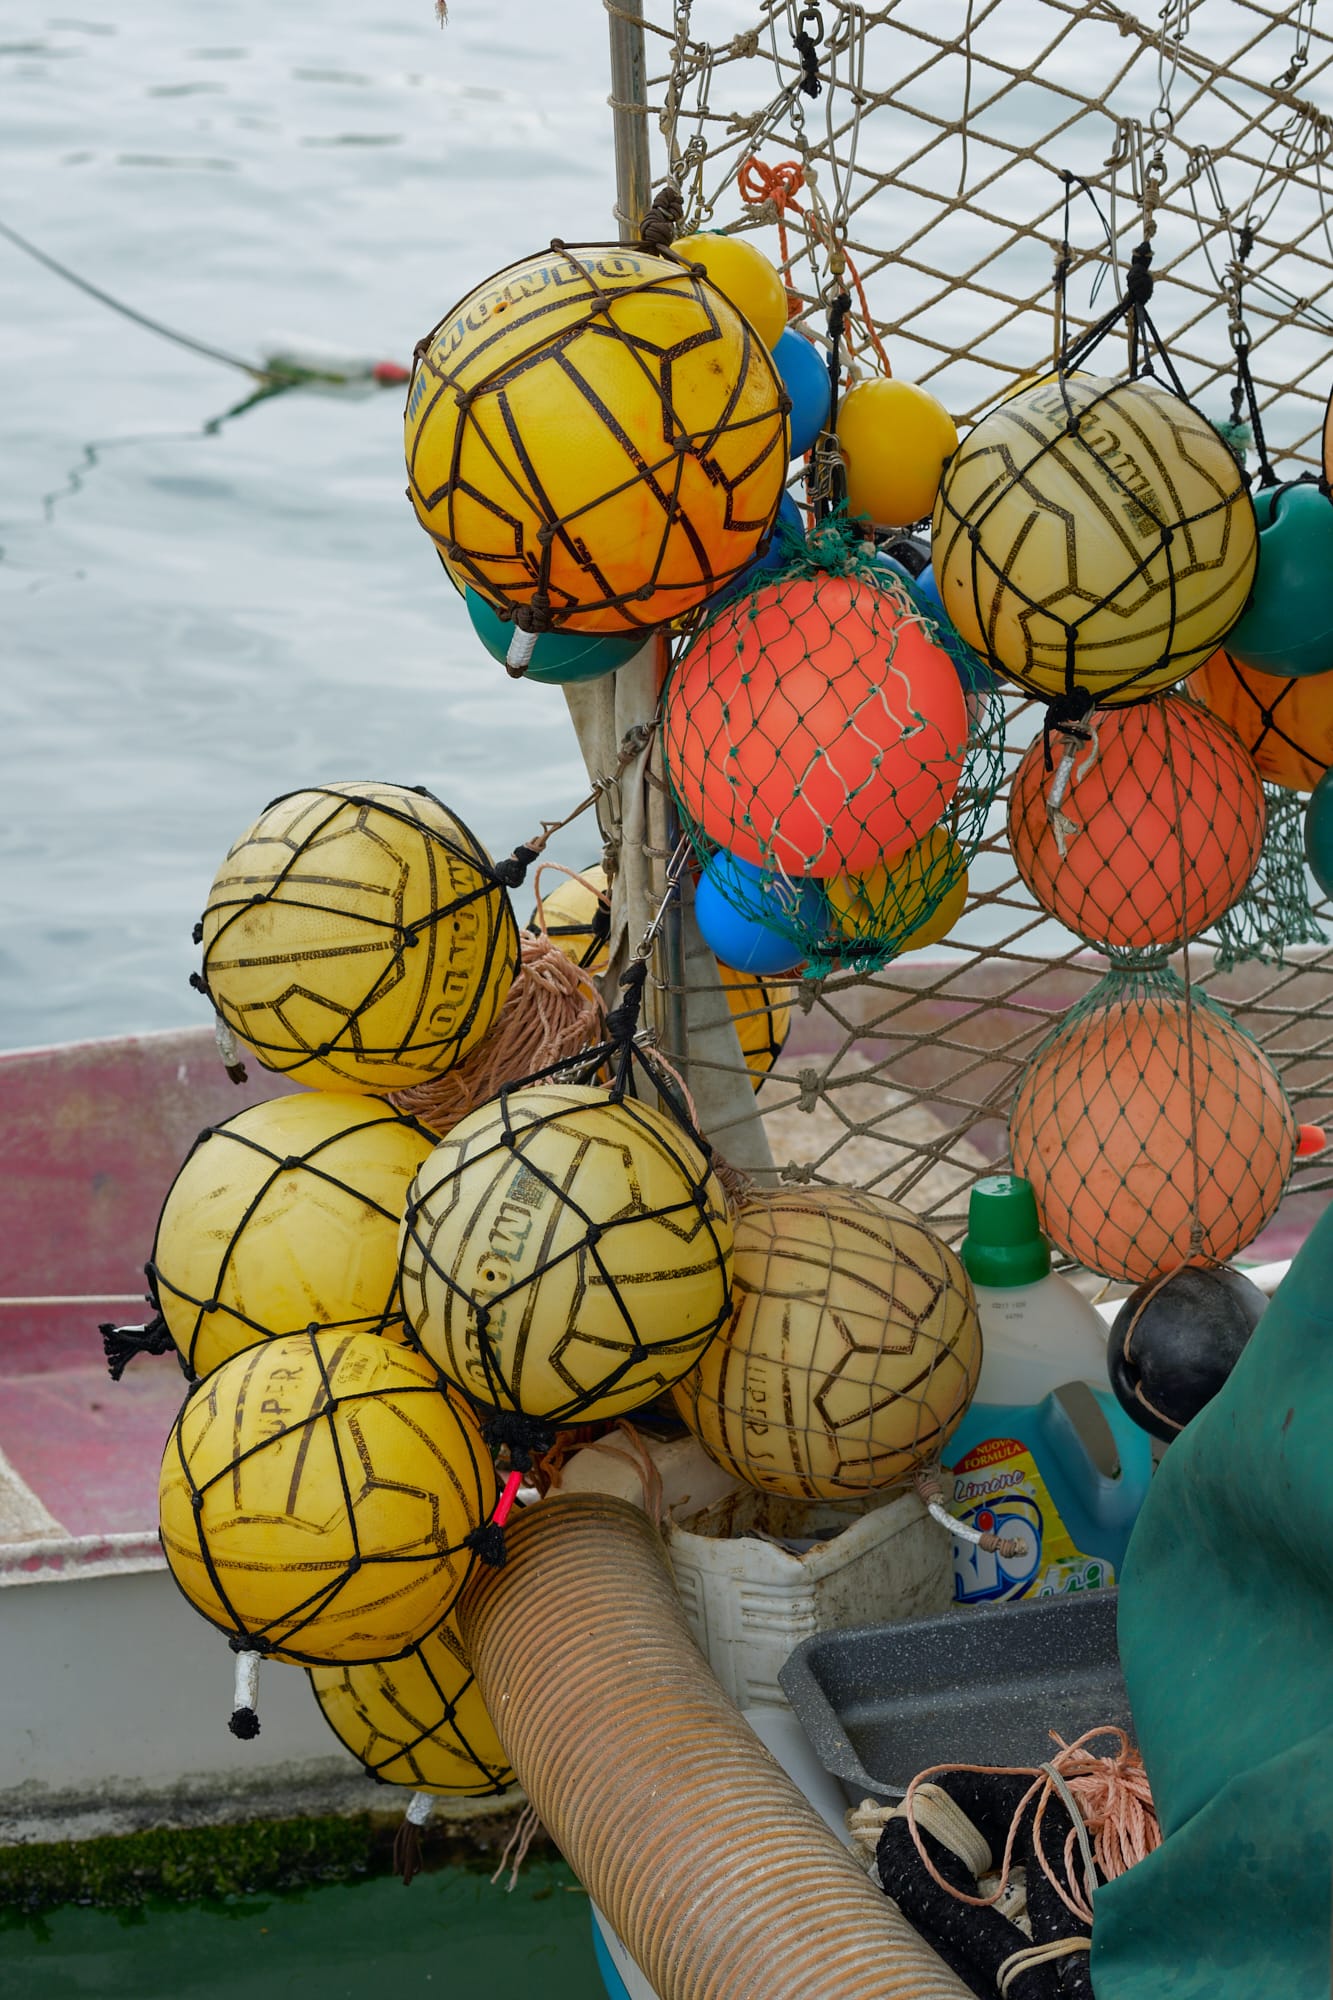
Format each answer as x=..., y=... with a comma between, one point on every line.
x=831, y=769
x=907, y=171
x=1275, y=910
x=1154, y=1131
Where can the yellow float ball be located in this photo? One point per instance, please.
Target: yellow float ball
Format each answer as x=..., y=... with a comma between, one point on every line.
x=283, y=1218
x=743, y=275
x=316, y=1497
x=566, y=1254
x=894, y=437
x=917, y=900
x=1095, y=535
x=761, y=1013
x=417, y=1721
x=854, y=1351
x=576, y=916
x=596, y=434
x=357, y=938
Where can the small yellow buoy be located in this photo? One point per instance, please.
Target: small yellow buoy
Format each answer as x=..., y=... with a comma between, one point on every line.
x=317, y=1494
x=566, y=1254
x=918, y=899
x=761, y=1013
x=743, y=275
x=576, y=915
x=854, y=1350
x=894, y=437
x=357, y=937
x=283, y=1218
x=417, y=1721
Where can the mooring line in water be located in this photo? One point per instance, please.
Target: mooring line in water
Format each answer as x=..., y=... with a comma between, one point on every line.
x=273, y=375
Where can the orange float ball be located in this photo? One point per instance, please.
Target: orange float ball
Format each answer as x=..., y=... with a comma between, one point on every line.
x=1170, y=815
x=1137, y=1111
x=1286, y=725
x=815, y=727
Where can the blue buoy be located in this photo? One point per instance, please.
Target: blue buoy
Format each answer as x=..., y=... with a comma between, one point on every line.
x=788, y=534
x=557, y=657
x=727, y=906
x=805, y=377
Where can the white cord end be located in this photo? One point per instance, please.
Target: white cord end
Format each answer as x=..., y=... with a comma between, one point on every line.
x=419, y=1808
x=244, y=1719
x=521, y=646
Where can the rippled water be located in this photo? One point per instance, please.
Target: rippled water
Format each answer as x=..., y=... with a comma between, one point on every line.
x=197, y=618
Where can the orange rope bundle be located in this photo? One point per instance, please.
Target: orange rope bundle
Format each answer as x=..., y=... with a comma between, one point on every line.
x=758, y=182
x=1114, y=1802
x=551, y=1012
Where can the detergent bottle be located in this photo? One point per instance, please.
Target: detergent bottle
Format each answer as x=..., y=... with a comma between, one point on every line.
x=1045, y=1456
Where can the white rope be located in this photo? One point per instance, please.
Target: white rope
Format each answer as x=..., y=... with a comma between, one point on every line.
x=1034, y=1955
x=419, y=1808
x=245, y=1688
x=521, y=645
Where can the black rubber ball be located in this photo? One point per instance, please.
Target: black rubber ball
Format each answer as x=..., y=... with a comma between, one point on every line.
x=1187, y=1341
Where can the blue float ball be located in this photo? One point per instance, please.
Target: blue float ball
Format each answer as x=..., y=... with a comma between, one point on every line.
x=1319, y=833
x=805, y=377
x=972, y=671
x=727, y=907
x=557, y=657
x=788, y=530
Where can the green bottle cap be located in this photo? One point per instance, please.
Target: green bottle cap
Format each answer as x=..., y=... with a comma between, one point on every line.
x=1004, y=1244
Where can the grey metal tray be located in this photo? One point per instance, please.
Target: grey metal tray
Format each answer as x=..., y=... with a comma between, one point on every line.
x=883, y=1702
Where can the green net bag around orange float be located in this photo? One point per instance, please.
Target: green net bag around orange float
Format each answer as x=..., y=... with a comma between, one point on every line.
x=831, y=767
x=1155, y=1132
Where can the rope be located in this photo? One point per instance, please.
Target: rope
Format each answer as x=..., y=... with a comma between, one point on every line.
x=550, y=1015
x=1110, y=1803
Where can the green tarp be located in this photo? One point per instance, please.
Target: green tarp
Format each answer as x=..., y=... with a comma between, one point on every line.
x=1226, y=1638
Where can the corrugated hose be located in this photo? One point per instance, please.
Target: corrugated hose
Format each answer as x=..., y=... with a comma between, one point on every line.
x=719, y=1877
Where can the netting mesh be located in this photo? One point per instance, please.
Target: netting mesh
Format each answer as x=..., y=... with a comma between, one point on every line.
x=924, y=178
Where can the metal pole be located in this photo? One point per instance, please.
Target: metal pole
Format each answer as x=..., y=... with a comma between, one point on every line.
x=629, y=116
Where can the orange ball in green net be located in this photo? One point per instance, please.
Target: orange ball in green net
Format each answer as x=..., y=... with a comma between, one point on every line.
x=1157, y=834
x=1141, y=1116
x=816, y=728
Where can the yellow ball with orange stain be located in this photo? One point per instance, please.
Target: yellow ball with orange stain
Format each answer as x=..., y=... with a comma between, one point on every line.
x=894, y=437
x=853, y=1353
x=599, y=431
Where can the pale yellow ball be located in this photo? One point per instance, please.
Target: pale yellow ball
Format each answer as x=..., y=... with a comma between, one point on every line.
x=853, y=1353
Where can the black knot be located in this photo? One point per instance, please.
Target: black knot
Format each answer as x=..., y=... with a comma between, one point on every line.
x=807, y=48
x=535, y=615
x=488, y=1541
x=198, y=932
x=520, y=1435
x=1138, y=282
x=838, y=314
x=660, y=226
x=622, y=1023
x=120, y=1344
x=245, y=1642
x=199, y=983
x=515, y=866
x=1066, y=715
x=244, y=1723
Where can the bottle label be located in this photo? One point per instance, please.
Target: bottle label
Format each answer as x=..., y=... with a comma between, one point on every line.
x=998, y=1489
